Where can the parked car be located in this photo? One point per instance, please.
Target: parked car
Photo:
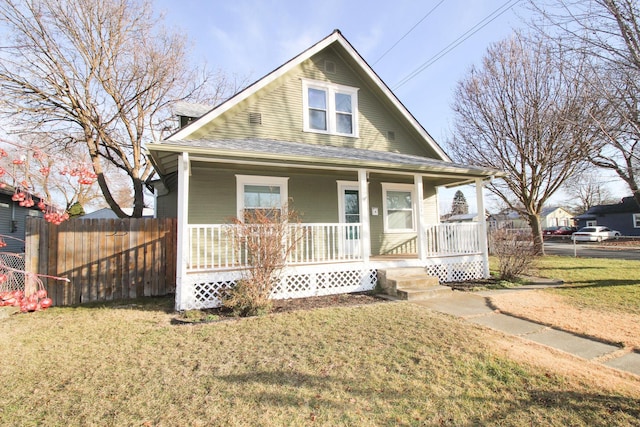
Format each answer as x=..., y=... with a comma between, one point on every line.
x=562, y=230
x=596, y=233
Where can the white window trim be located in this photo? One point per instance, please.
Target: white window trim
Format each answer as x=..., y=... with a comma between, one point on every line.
x=398, y=187
x=272, y=181
x=331, y=89
x=636, y=220
x=591, y=223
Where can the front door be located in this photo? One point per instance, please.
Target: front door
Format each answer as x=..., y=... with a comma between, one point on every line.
x=350, y=214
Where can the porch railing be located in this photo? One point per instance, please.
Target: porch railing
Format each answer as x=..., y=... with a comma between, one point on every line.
x=453, y=239
x=215, y=246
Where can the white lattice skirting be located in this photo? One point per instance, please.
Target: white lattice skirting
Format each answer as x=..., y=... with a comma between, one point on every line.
x=457, y=269
x=205, y=290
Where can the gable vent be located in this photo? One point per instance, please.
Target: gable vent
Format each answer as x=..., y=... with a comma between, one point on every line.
x=255, y=118
x=330, y=66
x=391, y=135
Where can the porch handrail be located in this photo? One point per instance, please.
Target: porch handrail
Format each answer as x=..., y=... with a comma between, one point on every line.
x=453, y=239
x=214, y=246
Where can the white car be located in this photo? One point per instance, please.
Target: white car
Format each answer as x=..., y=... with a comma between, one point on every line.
x=596, y=233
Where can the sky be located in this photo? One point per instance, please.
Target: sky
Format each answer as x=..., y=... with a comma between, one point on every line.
x=398, y=39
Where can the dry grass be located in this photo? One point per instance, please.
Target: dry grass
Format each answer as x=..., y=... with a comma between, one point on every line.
x=600, y=298
x=381, y=364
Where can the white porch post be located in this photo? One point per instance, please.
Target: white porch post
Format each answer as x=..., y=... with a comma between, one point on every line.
x=182, y=248
x=365, y=239
x=483, y=225
x=422, y=249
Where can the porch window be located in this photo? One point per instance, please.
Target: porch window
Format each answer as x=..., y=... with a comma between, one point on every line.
x=636, y=220
x=264, y=193
x=398, y=209
x=330, y=108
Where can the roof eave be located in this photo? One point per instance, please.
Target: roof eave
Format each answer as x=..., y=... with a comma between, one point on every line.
x=222, y=154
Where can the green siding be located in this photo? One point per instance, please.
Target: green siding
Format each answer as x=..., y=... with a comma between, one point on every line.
x=312, y=195
x=213, y=198
x=281, y=107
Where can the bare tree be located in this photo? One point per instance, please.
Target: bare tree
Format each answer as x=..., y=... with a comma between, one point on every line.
x=520, y=112
x=608, y=31
x=100, y=74
x=587, y=189
x=60, y=176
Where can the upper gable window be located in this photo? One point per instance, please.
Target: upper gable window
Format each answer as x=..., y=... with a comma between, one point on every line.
x=330, y=108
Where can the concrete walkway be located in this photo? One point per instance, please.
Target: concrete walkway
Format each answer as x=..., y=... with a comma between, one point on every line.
x=476, y=308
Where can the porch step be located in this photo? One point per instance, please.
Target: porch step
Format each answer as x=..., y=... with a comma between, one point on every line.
x=410, y=284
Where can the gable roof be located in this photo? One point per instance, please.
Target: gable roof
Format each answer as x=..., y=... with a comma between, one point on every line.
x=335, y=37
x=626, y=205
x=551, y=209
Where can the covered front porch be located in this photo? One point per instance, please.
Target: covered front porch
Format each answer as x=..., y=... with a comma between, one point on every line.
x=361, y=211
x=384, y=220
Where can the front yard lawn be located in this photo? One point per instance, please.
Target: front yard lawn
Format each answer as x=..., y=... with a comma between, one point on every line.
x=600, y=298
x=379, y=364
x=604, y=284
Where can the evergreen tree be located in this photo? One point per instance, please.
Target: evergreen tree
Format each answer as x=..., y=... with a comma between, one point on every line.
x=459, y=205
x=76, y=210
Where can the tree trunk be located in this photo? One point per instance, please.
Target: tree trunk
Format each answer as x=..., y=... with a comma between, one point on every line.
x=536, y=234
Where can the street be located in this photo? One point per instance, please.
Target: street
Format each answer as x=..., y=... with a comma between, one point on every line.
x=590, y=250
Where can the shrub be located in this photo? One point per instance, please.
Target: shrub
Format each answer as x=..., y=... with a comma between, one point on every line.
x=515, y=253
x=265, y=237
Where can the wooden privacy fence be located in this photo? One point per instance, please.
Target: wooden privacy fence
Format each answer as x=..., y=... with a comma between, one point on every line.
x=104, y=259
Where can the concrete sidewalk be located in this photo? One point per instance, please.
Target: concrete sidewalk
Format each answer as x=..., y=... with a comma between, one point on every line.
x=476, y=308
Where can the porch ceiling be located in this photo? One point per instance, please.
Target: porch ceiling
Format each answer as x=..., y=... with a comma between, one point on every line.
x=291, y=154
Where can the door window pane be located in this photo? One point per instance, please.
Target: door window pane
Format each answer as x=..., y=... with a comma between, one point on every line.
x=351, y=206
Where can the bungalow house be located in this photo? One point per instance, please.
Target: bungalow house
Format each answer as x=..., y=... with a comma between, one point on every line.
x=550, y=216
x=623, y=217
x=325, y=135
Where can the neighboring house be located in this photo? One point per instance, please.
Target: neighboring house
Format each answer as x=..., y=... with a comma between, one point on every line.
x=12, y=220
x=555, y=216
x=507, y=219
x=549, y=217
x=107, y=213
x=623, y=217
x=322, y=134
x=472, y=217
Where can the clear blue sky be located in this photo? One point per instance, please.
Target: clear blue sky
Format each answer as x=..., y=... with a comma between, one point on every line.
x=253, y=37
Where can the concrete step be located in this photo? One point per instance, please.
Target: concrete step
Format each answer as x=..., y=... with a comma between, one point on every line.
x=410, y=283
x=423, y=293
x=415, y=282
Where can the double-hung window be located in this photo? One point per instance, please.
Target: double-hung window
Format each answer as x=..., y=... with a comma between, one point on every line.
x=260, y=193
x=636, y=220
x=398, y=208
x=330, y=108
